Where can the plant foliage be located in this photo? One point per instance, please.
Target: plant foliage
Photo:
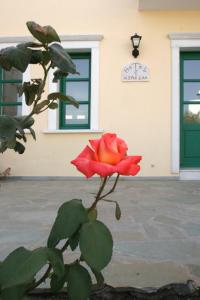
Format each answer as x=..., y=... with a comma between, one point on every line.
x=48, y=53
x=76, y=226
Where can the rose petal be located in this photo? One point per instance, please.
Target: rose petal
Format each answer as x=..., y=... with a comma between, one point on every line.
x=134, y=169
x=82, y=162
x=122, y=147
x=128, y=166
x=87, y=153
x=134, y=159
x=95, y=147
x=110, y=140
x=95, y=144
x=84, y=166
x=106, y=155
x=102, y=169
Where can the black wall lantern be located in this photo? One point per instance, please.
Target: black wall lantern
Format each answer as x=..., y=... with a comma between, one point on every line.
x=136, y=43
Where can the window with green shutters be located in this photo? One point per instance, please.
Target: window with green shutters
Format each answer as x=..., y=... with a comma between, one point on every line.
x=79, y=87
x=10, y=101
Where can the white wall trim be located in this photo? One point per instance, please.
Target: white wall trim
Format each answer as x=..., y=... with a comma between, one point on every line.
x=190, y=174
x=168, y=5
x=69, y=37
x=184, y=36
x=179, y=42
x=92, y=46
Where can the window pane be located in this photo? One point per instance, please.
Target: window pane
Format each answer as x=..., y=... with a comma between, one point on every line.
x=192, y=69
x=191, y=113
x=13, y=74
x=191, y=89
x=10, y=93
x=78, y=90
x=82, y=66
x=15, y=110
x=74, y=116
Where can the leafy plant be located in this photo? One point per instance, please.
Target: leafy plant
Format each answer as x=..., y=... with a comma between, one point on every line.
x=76, y=226
x=48, y=53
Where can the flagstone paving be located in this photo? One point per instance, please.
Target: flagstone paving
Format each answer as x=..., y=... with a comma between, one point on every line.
x=156, y=241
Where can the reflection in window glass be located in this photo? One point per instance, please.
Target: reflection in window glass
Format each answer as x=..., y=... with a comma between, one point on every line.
x=10, y=92
x=77, y=86
x=13, y=74
x=191, y=113
x=13, y=110
x=78, y=90
x=74, y=116
x=191, y=91
x=192, y=69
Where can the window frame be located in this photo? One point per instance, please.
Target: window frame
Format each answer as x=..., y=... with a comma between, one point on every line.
x=92, y=45
x=12, y=42
x=8, y=81
x=62, y=84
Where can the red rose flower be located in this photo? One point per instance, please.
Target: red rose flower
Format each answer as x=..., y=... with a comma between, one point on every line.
x=108, y=155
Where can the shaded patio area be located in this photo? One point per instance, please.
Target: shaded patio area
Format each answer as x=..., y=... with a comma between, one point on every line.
x=157, y=240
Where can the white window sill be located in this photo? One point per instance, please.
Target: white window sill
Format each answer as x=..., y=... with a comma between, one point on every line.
x=74, y=131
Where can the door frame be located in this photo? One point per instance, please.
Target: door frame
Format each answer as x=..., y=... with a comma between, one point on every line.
x=179, y=42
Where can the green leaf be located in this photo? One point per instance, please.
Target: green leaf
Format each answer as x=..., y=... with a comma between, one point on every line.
x=74, y=240
x=79, y=283
x=99, y=277
x=19, y=147
x=41, y=105
x=61, y=59
x=29, y=45
x=65, y=98
x=25, y=123
x=117, y=211
x=70, y=216
x=32, y=131
x=14, y=293
x=16, y=57
x=30, y=91
x=22, y=265
x=11, y=143
x=7, y=127
x=8, y=265
x=3, y=146
x=96, y=244
x=57, y=282
x=44, y=34
x=53, y=105
x=58, y=74
x=55, y=257
x=46, y=57
x=36, y=57
x=92, y=214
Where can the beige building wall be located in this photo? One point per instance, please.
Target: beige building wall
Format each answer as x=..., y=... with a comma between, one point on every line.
x=139, y=112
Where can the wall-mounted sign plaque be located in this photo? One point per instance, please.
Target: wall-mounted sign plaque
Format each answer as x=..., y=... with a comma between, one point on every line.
x=135, y=72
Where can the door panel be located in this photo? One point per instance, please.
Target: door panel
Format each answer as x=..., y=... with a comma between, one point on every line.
x=190, y=110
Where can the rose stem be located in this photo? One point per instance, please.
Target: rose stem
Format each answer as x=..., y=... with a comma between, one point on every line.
x=98, y=196
x=112, y=189
x=43, y=278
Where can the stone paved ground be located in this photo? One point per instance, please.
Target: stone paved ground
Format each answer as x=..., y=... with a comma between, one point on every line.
x=157, y=240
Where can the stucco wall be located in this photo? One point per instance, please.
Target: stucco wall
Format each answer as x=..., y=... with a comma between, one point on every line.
x=139, y=112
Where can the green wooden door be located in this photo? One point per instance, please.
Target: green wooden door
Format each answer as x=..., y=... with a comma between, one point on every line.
x=190, y=110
